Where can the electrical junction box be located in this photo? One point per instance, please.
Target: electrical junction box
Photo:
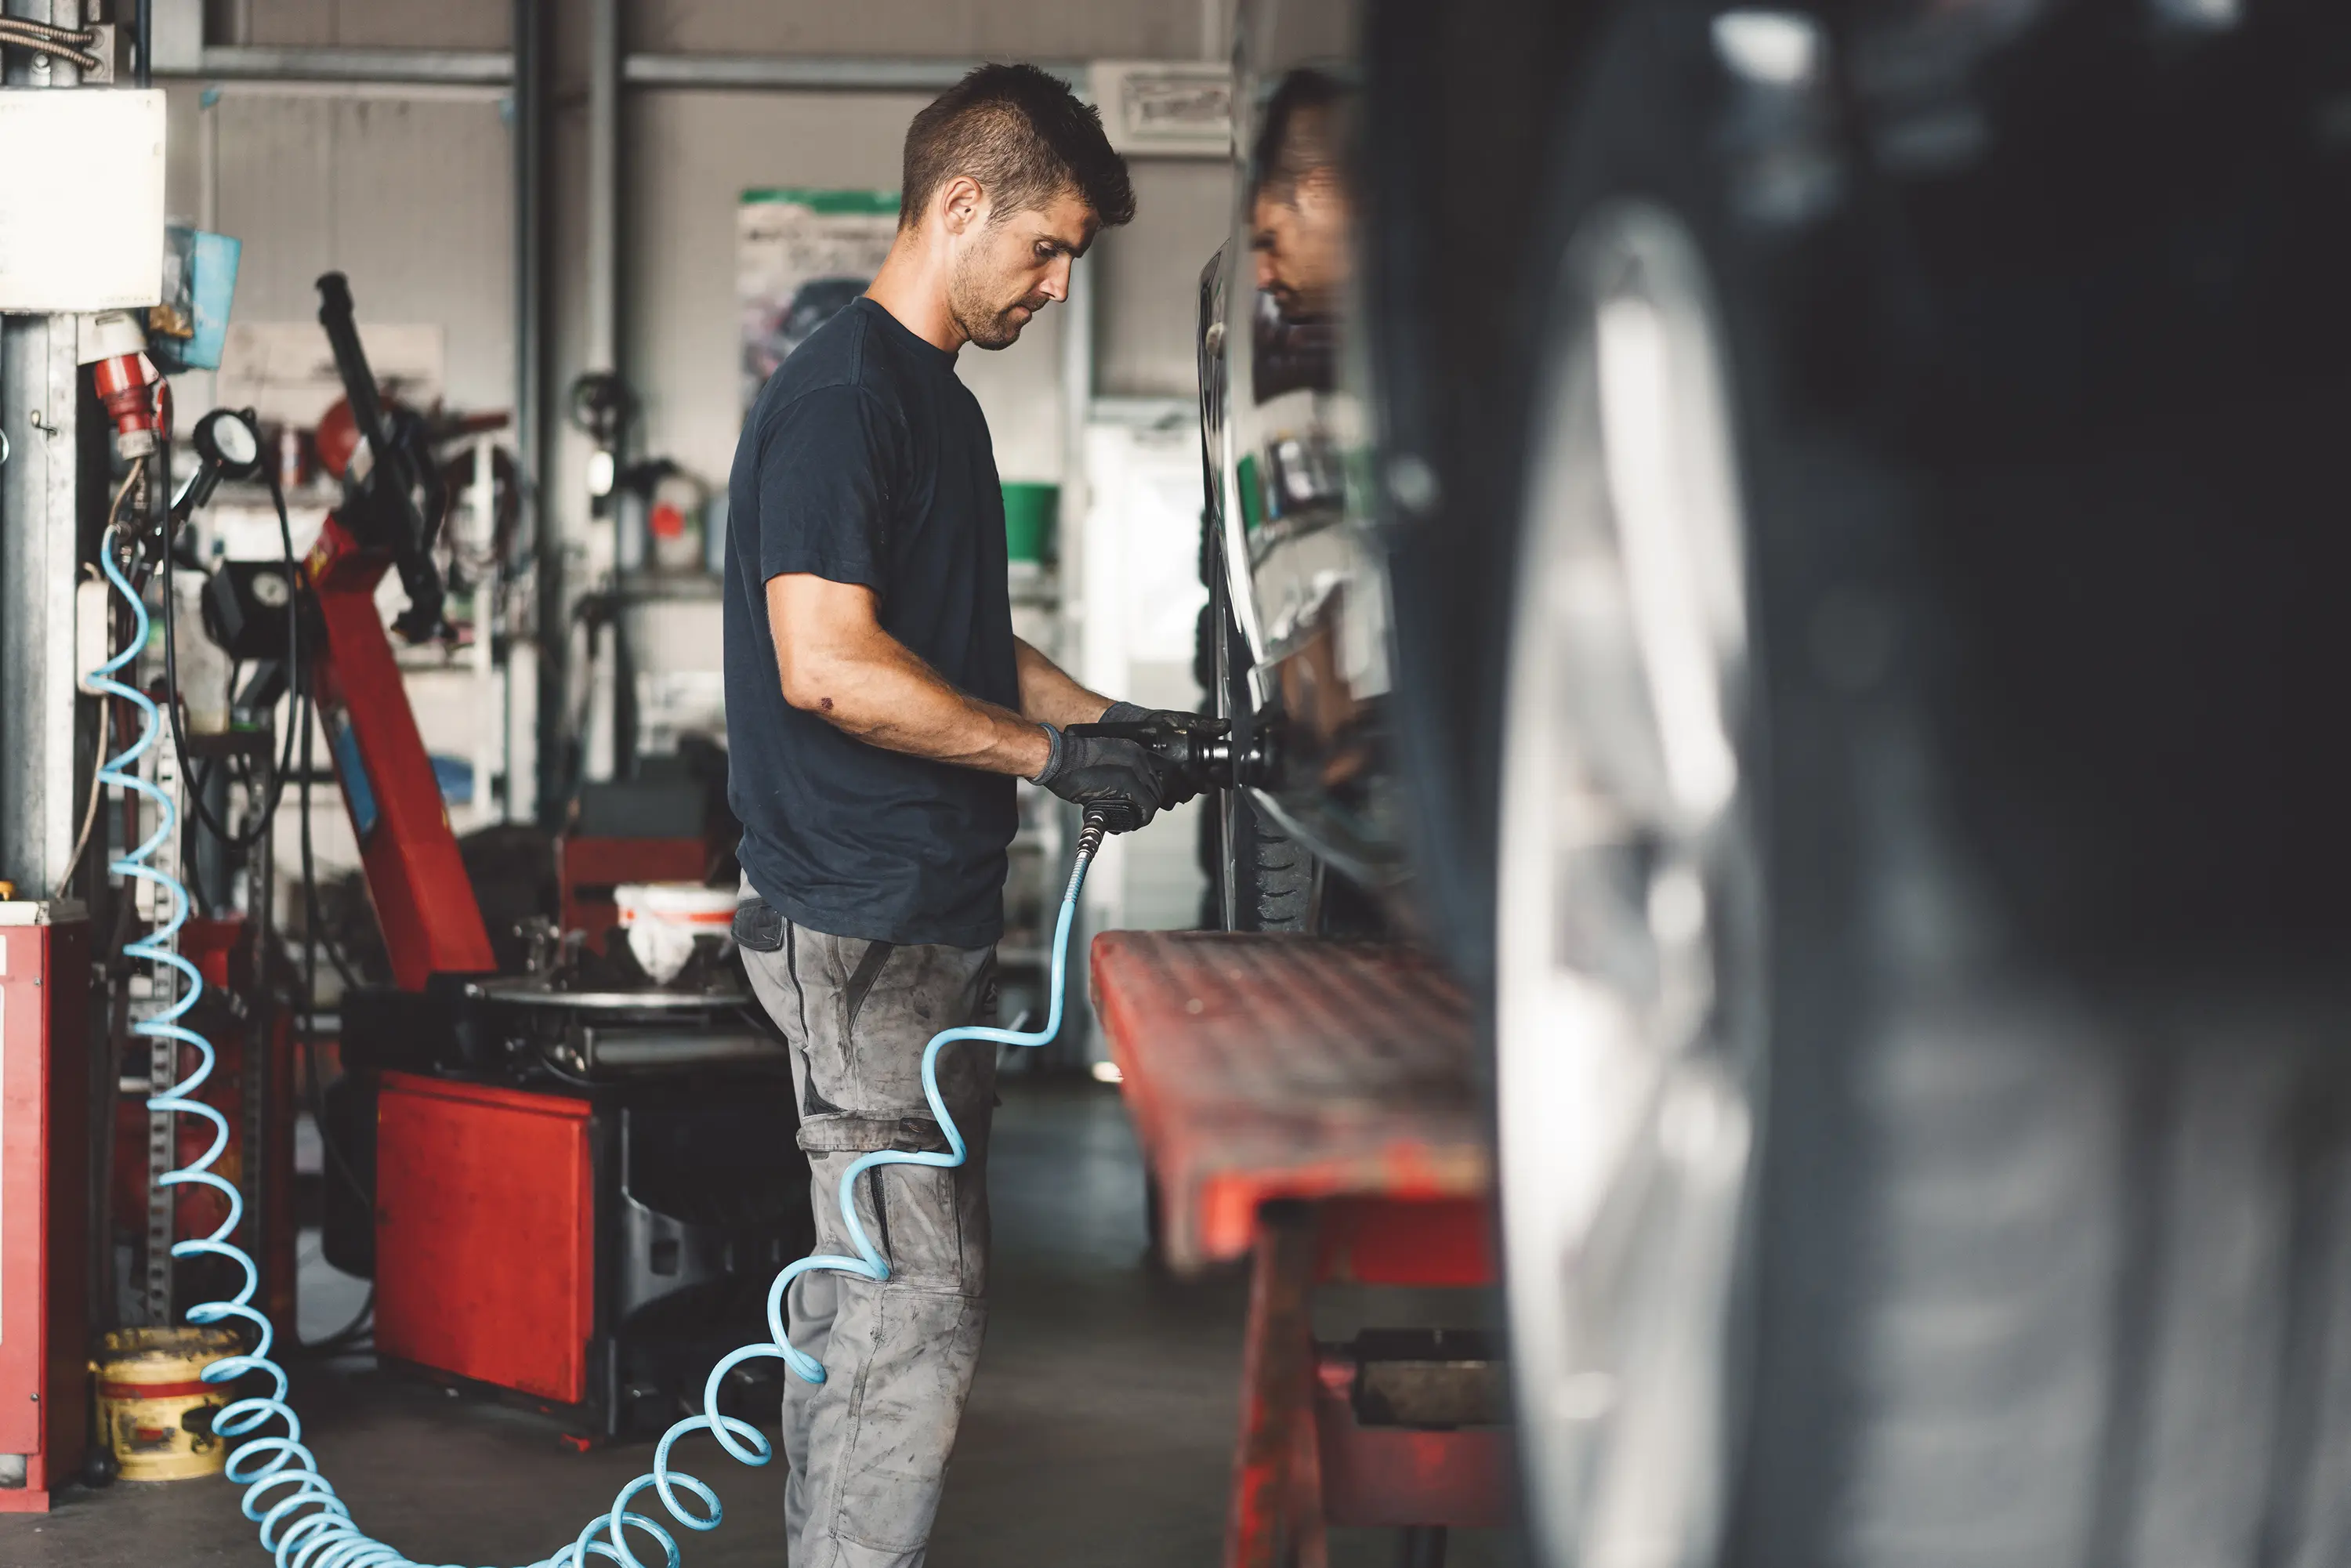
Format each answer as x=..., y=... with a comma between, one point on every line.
x=81, y=199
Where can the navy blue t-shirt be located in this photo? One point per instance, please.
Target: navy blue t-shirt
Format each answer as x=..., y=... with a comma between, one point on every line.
x=865, y=461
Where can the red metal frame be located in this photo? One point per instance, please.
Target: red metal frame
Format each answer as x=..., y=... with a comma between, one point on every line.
x=1275, y=1518
x=44, y=1200
x=423, y=901
x=1263, y=1068
x=1405, y=1242
x=1393, y=1477
x=484, y=1234
x=1309, y=1104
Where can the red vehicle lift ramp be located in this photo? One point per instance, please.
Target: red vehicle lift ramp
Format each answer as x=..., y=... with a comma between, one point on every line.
x=1311, y=1105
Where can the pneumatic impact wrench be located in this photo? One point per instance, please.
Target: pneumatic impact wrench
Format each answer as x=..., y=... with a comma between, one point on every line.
x=1195, y=752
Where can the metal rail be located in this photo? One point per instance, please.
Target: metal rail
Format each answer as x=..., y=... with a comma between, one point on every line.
x=495, y=67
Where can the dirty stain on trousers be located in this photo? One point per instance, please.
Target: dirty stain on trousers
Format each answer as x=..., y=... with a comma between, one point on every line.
x=867, y=1448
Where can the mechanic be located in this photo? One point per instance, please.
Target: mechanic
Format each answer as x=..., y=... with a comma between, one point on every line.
x=878, y=711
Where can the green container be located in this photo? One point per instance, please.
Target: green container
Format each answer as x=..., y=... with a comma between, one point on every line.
x=1030, y=512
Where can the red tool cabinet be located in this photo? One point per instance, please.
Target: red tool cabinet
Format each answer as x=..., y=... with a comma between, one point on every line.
x=44, y=1200
x=588, y=1253
x=485, y=1243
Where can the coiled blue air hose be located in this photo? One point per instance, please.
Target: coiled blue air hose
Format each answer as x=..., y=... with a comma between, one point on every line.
x=303, y=1523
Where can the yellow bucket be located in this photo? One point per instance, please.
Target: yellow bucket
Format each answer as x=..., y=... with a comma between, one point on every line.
x=154, y=1406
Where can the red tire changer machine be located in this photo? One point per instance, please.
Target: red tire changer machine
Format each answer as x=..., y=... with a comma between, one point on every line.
x=580, y=1190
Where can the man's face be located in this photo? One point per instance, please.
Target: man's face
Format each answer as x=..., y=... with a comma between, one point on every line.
x=1300, y=236
x=1007, y=270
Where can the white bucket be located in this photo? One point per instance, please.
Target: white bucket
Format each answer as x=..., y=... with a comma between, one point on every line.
x=663, y=918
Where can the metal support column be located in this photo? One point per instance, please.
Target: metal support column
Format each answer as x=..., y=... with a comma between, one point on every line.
x=533, y=660
x=602, y=342
x=38, y=388
x=600, y=352
x=39, y=385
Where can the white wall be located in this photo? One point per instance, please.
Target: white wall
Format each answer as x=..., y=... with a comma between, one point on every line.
x=1142, y=598
x=1147, y=309
x=994, y=29
x=412, y=198
x=372, y=24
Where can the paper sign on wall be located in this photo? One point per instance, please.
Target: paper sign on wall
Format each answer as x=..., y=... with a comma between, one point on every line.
x=799, y=256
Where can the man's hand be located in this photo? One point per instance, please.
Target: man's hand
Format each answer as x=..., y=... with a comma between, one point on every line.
x=1178, y=788
x=1174, y=718
x=1095, y=770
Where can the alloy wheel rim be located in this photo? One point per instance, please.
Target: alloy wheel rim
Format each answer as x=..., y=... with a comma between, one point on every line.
x=1629, y=1005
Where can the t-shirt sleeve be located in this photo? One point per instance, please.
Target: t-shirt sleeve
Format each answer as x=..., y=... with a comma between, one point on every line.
x=827, y=463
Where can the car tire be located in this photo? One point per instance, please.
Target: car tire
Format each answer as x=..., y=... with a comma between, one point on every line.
x=1925, y=1244
x=1259, y=878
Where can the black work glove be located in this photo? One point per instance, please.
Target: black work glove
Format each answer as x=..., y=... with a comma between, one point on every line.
x=1175, y=719
x=1176, y=788
x=1096, y=770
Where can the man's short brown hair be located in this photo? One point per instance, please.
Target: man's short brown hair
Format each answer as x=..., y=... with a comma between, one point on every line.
x=1301, y=134
x=1024, y=137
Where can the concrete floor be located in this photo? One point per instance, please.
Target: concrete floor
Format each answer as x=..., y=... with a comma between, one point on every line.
x=1100, y=1431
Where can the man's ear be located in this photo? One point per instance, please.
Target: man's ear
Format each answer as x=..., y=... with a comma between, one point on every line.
x=962, y=203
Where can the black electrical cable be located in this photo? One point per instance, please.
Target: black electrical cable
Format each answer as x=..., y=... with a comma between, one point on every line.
x=144, y=22
x=267, y=815
x=285, y=751
x=305, y=708
x=312, y=934
x=314, y=931
x=353, y=1331
x=546, y=1065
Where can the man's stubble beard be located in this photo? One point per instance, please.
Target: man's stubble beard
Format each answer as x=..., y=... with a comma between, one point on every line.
x=979, y=321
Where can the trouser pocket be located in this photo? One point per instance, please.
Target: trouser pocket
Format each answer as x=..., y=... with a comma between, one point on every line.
x=868, y=1010
x=929, y=1223
x=847, y=1134
x=758, y=927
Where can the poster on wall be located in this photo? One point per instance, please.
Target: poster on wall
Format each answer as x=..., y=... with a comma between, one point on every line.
x=799, y=256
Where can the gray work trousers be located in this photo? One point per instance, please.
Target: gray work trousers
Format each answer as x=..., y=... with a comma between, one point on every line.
x=867, y=1448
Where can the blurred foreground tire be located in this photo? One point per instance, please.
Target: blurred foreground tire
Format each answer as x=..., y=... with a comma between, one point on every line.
x=1917, y=955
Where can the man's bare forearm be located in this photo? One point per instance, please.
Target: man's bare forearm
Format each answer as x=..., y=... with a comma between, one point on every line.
x=863, y=681
x=893, y=700
x=1049, y=696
